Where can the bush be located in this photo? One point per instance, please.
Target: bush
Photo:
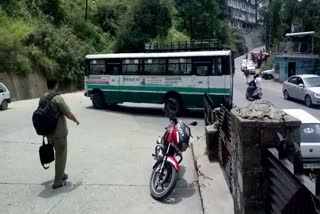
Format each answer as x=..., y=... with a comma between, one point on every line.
x=91, y=34
x=266, y=65
x=12, y=51
x=65, y=49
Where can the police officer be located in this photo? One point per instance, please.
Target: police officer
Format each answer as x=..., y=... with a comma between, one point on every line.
x=59, y=137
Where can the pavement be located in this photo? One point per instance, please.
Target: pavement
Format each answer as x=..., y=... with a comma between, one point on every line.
x=109, y=164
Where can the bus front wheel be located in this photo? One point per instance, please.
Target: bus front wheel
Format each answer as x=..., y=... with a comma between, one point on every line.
x=173, y=105
x=98, y=101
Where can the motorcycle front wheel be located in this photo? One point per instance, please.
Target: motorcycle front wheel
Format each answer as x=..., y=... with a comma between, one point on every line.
x=163, y=184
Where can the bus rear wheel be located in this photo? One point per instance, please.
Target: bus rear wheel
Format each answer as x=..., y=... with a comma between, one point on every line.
x=173, y=105
x=98, y=101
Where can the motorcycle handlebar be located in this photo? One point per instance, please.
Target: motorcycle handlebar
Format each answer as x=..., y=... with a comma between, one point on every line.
x=171, y=117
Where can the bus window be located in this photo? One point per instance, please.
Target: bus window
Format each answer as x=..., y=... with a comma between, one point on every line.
x=155, y=66
x=185, y=66
x=217, y=66
x=225, y=65
x=131, y=66
x=181, y=66
x=97, y=67
x=113, y=67
x=202, y=70
x=173, y=66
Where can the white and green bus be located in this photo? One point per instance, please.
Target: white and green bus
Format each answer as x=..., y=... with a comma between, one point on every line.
x=157, y=77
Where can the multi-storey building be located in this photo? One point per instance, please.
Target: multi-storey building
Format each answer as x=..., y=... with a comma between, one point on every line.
x=242, y=13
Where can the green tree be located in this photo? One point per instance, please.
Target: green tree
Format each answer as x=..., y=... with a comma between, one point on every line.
x=200, y=18
x=144, y=21
x=51, y=8
x=108, y=15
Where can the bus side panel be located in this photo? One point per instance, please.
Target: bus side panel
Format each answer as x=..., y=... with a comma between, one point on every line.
x=196, y=100
x=141, y=97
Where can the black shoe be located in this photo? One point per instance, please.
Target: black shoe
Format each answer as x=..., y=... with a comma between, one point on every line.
x=65, y=177
x=56, y=186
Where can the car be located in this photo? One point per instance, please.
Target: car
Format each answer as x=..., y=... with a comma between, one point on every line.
x=243, y=64
x=310, y=137
x=305, y=87
x=251, y=67
x=268, y=74
x=4, y=97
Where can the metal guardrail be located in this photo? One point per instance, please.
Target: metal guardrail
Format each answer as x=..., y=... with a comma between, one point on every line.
x=225, y=149
x=193, y=45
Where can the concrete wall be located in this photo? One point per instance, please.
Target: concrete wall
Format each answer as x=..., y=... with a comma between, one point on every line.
x=251, y=138
x=32, y=86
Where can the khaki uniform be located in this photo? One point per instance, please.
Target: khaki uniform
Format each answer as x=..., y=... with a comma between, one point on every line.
x=59, y=137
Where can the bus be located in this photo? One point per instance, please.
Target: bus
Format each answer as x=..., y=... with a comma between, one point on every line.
x=159, y=77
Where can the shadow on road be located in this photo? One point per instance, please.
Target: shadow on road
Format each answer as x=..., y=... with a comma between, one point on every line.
x=183, y=189
x=48, y=192
x=148, y=111
x=303, y=105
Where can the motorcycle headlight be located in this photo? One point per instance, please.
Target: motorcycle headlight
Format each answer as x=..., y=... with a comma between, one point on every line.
x=316, y=95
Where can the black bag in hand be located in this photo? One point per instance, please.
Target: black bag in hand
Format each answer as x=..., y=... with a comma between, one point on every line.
x=46, y=154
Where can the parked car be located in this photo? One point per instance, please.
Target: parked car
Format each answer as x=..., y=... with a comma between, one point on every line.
x=4, y=97
x=268, y=74
x=251, y=67
x=305, y=87
x=243, y=64
x=310, y=137
x=248, y=64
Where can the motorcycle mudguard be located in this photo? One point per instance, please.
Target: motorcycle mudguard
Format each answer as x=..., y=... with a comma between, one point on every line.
x=174, y=162
x=171, y=160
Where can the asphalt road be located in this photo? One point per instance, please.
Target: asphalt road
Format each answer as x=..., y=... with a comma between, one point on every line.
x=272, y=91
x=109, y=158
x=109, y=162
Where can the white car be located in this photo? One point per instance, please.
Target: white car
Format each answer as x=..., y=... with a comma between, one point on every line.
x=268, y=74
x=4, y=97
x=310, y=137
x=243, y=64
x=248, y=65
x=251, y=67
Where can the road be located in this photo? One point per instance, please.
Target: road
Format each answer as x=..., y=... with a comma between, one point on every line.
x=109, y=162
x=272, y=91
x=109, y=159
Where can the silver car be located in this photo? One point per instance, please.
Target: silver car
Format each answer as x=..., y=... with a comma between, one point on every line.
x=305, y=87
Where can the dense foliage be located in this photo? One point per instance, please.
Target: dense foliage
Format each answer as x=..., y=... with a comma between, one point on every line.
x=285, y=16
x=53, y=36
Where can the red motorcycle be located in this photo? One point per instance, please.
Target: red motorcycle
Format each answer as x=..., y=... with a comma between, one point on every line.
x=168, y=156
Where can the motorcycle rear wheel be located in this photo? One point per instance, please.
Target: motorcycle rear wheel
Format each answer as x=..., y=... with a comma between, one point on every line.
x=167, y=181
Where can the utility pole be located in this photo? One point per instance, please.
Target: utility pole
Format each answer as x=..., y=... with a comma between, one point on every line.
x=86, y=13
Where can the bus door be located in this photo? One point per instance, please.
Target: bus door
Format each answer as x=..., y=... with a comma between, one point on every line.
x=201, y=70
x=114, y=73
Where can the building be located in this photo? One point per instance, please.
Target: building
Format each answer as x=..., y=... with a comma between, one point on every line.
x=242, y=13
x=296, y=56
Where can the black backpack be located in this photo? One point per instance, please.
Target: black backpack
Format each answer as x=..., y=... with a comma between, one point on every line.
x=45, y=118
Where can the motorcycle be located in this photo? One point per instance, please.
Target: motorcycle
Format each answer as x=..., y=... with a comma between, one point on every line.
x=253, y=93
x=168, y=156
